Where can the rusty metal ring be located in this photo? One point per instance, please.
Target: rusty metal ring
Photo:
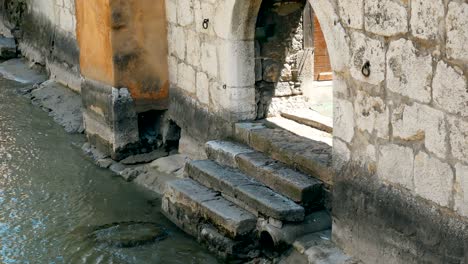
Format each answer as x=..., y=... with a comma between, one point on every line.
x=366, y=69
x=205, y=23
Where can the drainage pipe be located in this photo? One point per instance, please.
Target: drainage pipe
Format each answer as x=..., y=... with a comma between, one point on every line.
x=289, y=232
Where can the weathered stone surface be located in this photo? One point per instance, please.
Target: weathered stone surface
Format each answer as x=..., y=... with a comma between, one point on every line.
x=426, y=17
x=225, y=152
x=7, y=48
x=421, y=123
x=432, y=179
x=371, y=114
x=145, y=157
x=177, y=36
x=172, y=66
x=271, y=71
x=300, y=130
x=461, y=189
x=341, y=154
x=187, y=78
x=169, y=164
x=18, y=70
x=310, y=118
x=343, y=120
x=396, y=165
x=171, y=11
x=407, y=73
x=456, y=25
x=311, y=157
x=193, y=48
x=62, y=104
x=352, y=13
x=209, y=205
x=242, y=131
x=386, y=17
x=203, y=88
x=249, y=191
x=209, y=58
x=191, y=147
x=185, y=14
x=276, y=175
x=459, y=138
x=365, y=49
x=449, y=89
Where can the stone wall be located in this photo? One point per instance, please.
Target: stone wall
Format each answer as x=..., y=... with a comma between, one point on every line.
x=46, y=33
x=401, y=120
x=279, y=55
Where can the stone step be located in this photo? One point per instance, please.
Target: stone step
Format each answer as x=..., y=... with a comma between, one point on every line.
x=276, y=175
x=245, y=191
x=310, y=118
x=307, y=155
x=208, y=205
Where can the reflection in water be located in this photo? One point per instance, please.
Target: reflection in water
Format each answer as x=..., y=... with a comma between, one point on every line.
x=50, y=197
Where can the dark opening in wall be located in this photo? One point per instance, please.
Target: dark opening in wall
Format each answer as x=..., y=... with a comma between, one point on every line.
x=149, y=124
x=156, y=130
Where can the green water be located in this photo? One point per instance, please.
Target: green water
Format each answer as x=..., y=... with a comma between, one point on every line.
x=50, y=195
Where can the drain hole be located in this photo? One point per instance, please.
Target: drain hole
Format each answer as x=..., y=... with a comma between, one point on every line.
x=266, y=241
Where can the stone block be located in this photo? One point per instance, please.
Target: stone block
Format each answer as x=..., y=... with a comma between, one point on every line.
x=432, y=179
x=343, y=120
x=242, y=131
x=171, y=11
x=238, y=60
x=192, y=41
x=459, y=138
x=352, y=13
x=203, y=88
x=177, y=37
x=238, y=102
x=386, y=17
x=365, y=49
x=461, y=189
x=172, y=67
x=191, y=147
x=204, y=10
x=408, y=74
x=225, y=152
x=277, y=176
x=209, y=59
x=456, y=24
x=248, y=191
x=371, y=114
x=186, y=78
x=426, y=17
x=395, y=165
x=209, y=205
x=421, y=123
x=341, y=154
x=185, y=12
x=450, y=89
x=271, y=70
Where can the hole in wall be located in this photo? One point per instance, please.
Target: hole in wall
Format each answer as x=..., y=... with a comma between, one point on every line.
x=149, y=124
x=266, y=241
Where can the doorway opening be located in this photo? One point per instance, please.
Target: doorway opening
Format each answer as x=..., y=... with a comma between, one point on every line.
x=293, y=74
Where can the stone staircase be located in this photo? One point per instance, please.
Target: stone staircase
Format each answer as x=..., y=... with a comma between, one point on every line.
x=263, y=190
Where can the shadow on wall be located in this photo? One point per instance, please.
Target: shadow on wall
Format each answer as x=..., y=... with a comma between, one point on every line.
x=279, y=52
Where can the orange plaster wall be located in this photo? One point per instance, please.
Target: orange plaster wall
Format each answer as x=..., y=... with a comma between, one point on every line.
x=94, y=38
x=140, y=51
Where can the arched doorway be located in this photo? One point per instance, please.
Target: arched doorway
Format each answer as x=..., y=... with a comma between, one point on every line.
x=293, y=74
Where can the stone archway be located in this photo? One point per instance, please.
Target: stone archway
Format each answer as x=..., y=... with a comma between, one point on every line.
x=235, y=23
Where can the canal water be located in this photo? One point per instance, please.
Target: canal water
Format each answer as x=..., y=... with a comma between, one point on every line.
x=51, y=195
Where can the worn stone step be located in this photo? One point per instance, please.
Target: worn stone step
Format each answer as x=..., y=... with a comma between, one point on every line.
x=206, y=204
x=247, y=191
x=276, y=175
x=310, y=118
x=205, y=233
x=309, y=156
